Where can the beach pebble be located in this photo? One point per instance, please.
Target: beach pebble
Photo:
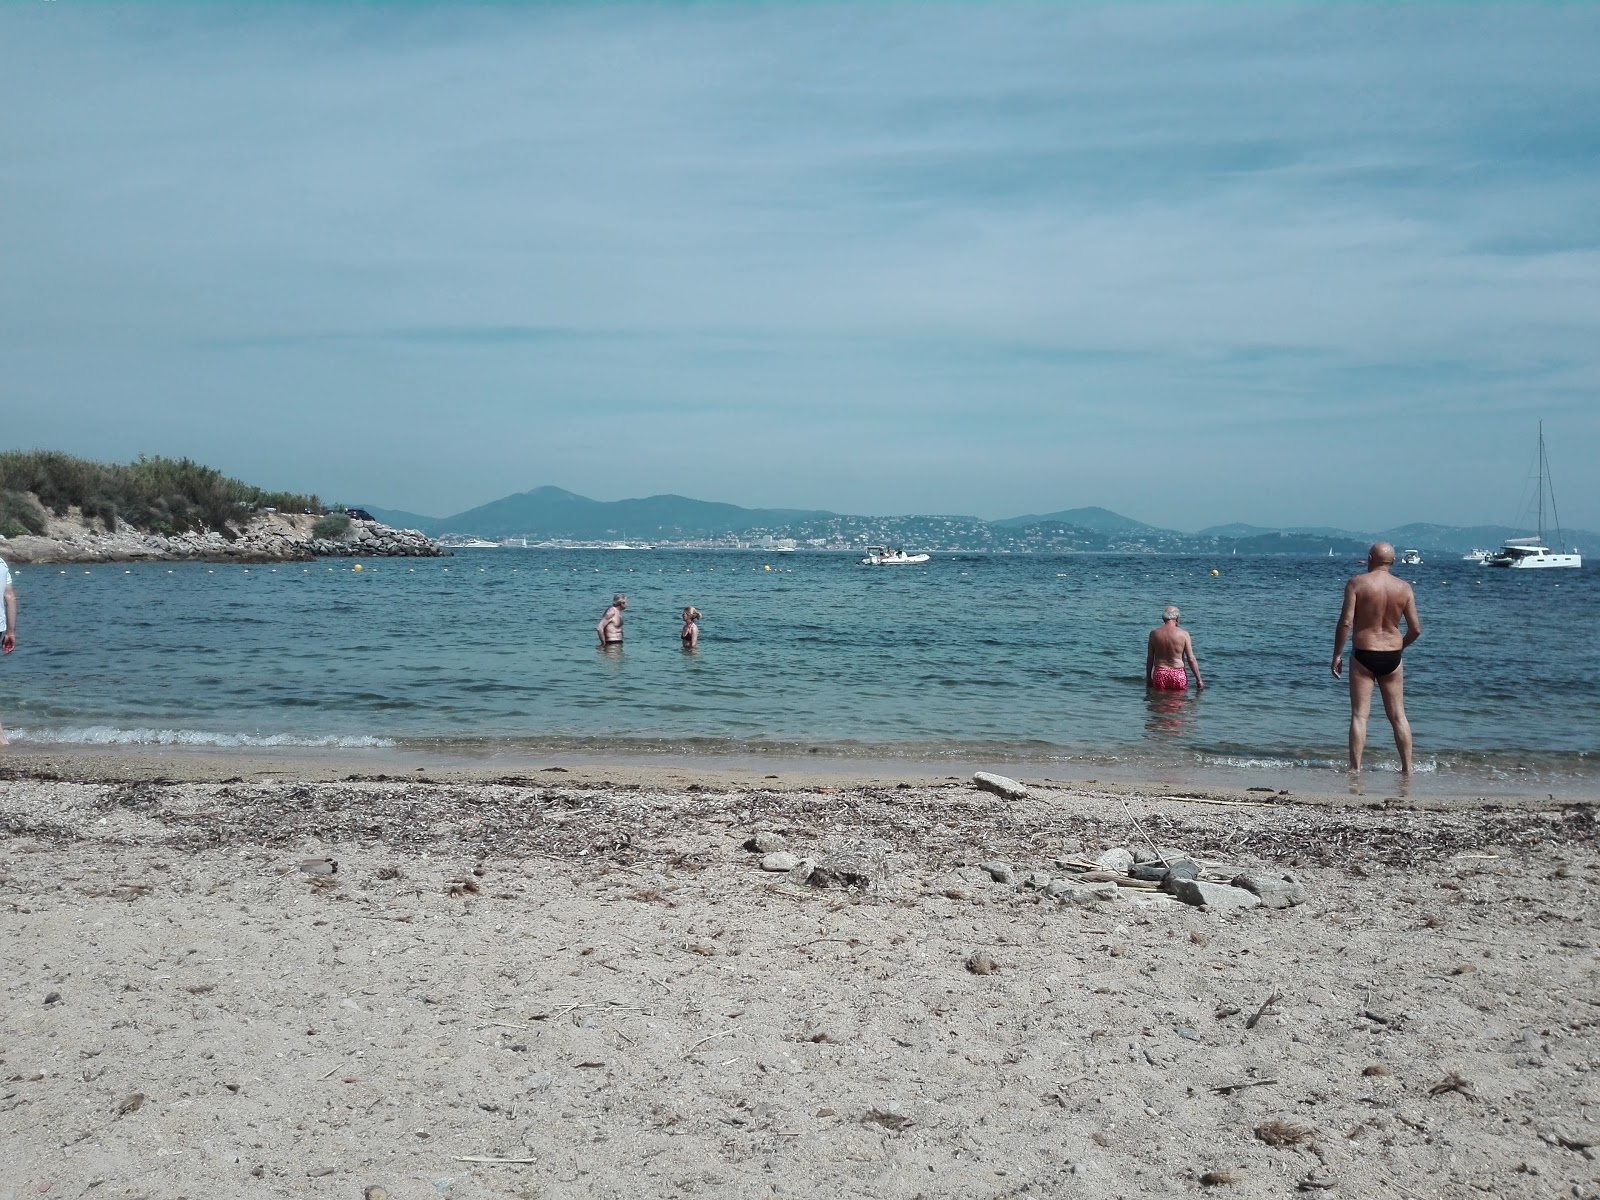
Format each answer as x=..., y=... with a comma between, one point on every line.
x=1085, y=894
x=802, y=871
x=539, y=1081
x=844, y=870
x=319, y=866
x=765, y=841
x=1149, y=872
x=1117, y=859
x=1217, y=896
x=52, y=998
x=1038, y=880
x=780, y=860
x=1143, y=854
x=1000, y=872
x=1183, y=868
x=981, y=963
x=1276, y=891
x=1000, y=785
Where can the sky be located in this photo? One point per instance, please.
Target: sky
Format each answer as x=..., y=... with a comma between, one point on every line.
x=1195, y=263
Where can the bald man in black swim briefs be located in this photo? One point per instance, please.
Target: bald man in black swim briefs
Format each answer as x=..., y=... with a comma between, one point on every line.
x=1374, y=605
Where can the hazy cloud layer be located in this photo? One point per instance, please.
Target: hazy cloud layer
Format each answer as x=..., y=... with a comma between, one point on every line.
x=1196, y=264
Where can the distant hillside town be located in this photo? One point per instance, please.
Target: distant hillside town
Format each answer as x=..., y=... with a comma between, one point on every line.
x=550, y=516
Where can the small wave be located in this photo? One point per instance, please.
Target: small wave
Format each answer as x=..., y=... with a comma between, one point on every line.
x=1276, y=763
x=107, y=735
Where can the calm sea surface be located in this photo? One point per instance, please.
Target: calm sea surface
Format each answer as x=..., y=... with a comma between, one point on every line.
x=966, y=659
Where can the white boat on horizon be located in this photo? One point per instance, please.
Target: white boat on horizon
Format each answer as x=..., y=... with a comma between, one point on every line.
x=884, y=556
x=1477, y=556
x=477, y=544
x=1411, y=558
x=1526, y=553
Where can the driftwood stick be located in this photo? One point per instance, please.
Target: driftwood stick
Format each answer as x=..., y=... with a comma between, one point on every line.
x=1262, y=1011
x=708, y=1038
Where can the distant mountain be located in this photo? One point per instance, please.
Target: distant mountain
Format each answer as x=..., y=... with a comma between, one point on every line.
x=552, y=512
x=1097, y=520
x=400, y=519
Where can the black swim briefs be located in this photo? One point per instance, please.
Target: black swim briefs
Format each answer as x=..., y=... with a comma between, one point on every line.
x=1379, y=662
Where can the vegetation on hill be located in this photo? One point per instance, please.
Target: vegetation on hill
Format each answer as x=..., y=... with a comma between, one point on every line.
x=153, y=495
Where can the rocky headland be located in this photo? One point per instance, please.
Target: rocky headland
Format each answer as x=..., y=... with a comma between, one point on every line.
x=265, y=537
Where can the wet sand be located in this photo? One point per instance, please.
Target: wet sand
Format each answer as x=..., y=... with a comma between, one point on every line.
x=575, y=980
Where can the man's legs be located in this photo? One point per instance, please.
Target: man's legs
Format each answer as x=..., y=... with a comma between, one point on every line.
x=1392, y=688
x=1360, y=708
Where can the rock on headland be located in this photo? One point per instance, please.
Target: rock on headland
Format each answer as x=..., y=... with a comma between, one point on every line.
x=266, y=537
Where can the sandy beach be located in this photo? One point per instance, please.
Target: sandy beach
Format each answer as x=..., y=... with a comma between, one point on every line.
x=579, y=981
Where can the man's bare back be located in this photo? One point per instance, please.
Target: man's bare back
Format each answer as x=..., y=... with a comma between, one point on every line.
x=1168, y=650
x=1374, y=606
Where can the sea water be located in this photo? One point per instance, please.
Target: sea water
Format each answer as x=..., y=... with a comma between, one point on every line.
x=988, y=659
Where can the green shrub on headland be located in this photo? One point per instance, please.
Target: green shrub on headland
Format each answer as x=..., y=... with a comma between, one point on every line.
x=332, y=527
x=153, y=495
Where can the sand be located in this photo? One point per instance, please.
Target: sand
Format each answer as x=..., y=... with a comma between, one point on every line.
x=580, y=983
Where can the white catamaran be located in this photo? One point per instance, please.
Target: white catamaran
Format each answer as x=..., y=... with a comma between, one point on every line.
x=1526, y=553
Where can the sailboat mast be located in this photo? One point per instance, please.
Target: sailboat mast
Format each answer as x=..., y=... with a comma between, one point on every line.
x=1541, y=483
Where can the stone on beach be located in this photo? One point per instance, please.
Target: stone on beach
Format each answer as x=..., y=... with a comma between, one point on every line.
x=1000, y=785
x=1276, y=891
x=1000, y=872
x=1219, y=897
x=1117, y=859
x=780, y=860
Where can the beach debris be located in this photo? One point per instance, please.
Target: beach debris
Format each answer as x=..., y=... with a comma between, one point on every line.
x=1278, y=1133
x=803, y=871
x=1264, y=1011
x=317, y=867
x=130, y=1104
x=1036, y=880
x=1276, y=891
x=780, y=860
x=1001, y=785
x=980, y=962
x=890, y=1118
x=1316, y=1183
x=766, y=841
x=1221, y=1177
x=462, y=887
x=1000, y=872
x=374, y=1192
x=1453, y=1083
x=1228, y=1089
x=52, y=998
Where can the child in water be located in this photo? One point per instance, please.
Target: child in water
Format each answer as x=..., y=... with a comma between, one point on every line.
x=691, y=631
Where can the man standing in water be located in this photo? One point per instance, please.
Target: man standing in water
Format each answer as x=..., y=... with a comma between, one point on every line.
x=610, y=627
x=1374, y=604
x=1166, y=652
x=8, y=619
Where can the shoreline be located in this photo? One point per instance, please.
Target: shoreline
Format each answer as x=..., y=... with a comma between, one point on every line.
x=110, y=764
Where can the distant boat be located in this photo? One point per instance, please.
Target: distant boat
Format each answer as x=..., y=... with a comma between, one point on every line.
x=883, y=556
x=1477, y=556
x=1411, y=558
x=477, y=544
x=1526, y=553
